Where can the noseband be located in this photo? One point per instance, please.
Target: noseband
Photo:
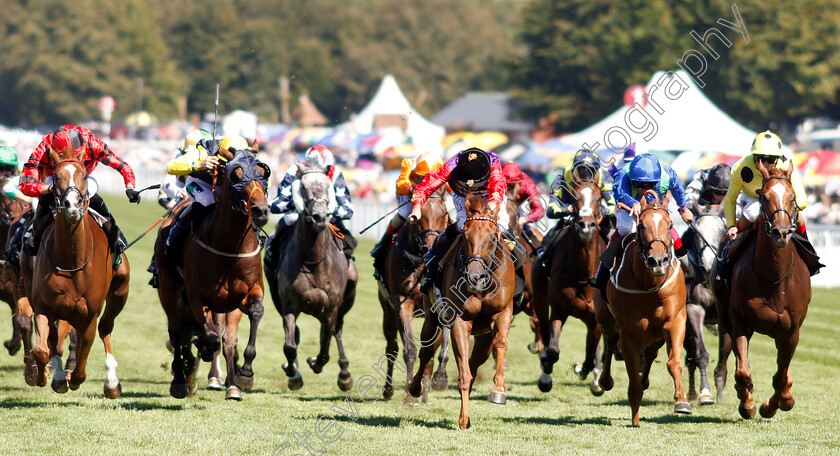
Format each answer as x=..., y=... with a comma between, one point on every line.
x=768, y=219
x=61, y=197
x=646, y=247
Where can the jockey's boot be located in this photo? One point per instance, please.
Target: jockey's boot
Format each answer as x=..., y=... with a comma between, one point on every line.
x=153, y=269
x=116, y=240
x=432, y=257
x=548, y=242
x=607, y=259
x=177, y=231
x=43, y=217
x=379, y=250
x=730, y=249
x=806, y=251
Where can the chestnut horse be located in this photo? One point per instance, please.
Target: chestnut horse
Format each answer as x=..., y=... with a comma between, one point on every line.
x=402, y=274
x=527, y=300
x=221, y=273
x=646, y=306
x=565, y=289
x=477, y=298
x=770, y=293
x=314, y=276
x=70, y=279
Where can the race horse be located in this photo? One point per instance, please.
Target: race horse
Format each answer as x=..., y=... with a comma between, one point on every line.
x=314, y=276
x=770, y=292
x=221, y=273
x=477, y=286
x=526, y=243
x=564, y=290
x=11, y=212
x=400, y=295
x=708, y=229
x=645, y=306
x=70, y=279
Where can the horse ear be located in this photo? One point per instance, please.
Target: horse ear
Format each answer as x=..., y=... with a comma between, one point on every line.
x=759, y=165
x=789, y=170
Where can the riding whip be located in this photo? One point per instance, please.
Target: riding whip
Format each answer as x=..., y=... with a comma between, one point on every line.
x=380, y=218
x=216, y=115
x=151, y=187
x=165, y=215
x=702, y=238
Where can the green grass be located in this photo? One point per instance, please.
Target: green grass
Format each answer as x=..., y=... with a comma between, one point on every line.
x=568, y=420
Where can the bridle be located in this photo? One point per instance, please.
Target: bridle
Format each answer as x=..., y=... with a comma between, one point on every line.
x=484, y=261
x=596, y=214
x=420, y=236
x=768, y=219
x=646, y=247
x=62, y=197
x=307, y=215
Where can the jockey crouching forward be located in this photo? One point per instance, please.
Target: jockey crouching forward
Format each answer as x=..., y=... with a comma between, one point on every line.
x=80, y=143
x=470, y=172
x=284, y=204
x=585, y=168
x=413, y=170
x=632, y=181
x=744, y=181
x=522, y=189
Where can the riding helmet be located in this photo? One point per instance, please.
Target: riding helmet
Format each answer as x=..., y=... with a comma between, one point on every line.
x=195, y=136
x=645, y=168
x=8, y=156
x=513, y=173
x=768, y=144
x=718, y=179
x=473, y=166
x=320, y=155
x=68, y=139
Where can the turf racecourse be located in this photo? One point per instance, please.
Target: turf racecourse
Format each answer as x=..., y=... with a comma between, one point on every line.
x=568, y=420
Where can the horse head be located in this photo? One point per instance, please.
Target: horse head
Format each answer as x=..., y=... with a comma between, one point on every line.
x=481, y=240
x=587, y=213
x=778, y=204
x=10, y=208
x=247, y=183
x=710, y=226
x=314, y=195
x=653, y=234
x=433, y=220
x=70, y=188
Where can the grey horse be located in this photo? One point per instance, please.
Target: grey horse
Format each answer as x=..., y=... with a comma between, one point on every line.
x=314, y=276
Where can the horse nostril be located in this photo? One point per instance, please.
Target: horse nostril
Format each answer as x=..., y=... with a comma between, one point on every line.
x=652, y=262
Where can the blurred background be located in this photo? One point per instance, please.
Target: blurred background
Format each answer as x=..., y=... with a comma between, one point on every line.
x=382, y=80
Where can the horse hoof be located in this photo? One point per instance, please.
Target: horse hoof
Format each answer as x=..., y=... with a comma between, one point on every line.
x=178, y=390
x=706, y=397
x=388, y=393
x=296, y=382
x=606, y=382
x=313, y=364
x=534, y=348
x=692, y=396
x=13, y=349
x=169, y=346
x=60, y=386
x=746, y=413
x=245, y=382
x=594, y=387
x=765, y=411
x=112, y=393
x=345, y=383
x=545, y=383
x=411, y=400
x=233, y=394
x=786, y=406
x=30, y=372
x=72, y=382
x=215, y=384
x=497, y=397
x=440, y=382
x=683, y=408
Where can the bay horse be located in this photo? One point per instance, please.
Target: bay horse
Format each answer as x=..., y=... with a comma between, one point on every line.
x=477, y=299
x=221, y=273
x=565, y=291
x=400, y=295
x=708, y=228
x=645, y=306
x=11, y=212
x=770, y=293
x=314, y=276
x=70, y=279
x=526, y=303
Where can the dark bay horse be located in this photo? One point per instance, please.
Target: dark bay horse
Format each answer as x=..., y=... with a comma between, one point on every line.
x=476, y=298
x=526, y=304
x=11, y=287
x=221, y=273
x=646, y=306
x=708, y=228
x=770, y=293
x=565, y=289
x=401, y=298
x=70, y=279
x=314, y=276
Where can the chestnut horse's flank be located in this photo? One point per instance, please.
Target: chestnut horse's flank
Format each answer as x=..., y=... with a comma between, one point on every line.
x=646, y=306
x=70, y=279
x=770, y=293
x=477, y=298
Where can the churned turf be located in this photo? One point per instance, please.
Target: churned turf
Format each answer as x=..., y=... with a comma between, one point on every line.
x=272, y=419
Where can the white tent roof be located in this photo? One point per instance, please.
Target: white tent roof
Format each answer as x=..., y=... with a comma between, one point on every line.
x=389, y=99
x=689, y=121
x=242, y=123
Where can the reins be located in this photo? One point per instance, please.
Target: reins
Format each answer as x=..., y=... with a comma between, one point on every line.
x=60, y=269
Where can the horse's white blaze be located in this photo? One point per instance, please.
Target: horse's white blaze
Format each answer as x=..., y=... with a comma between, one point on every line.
x=58, y=369
x=74, y=198
x=111, y=380
x=586, y=210
x=779, y=189
x=656, y=219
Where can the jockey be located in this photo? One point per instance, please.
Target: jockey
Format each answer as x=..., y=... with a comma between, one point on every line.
x=519, y=184
x=585, y=168
x=9, y=168
x=744, y=182
x=171, y=188
x=412, y=173
x=81, y=143
x=644, y=173
x=470, y=172
x=284, y=204
x=708, y=187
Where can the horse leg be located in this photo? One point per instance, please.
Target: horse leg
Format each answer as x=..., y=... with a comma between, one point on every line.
x=440, y=380
x=724, y=349
x=24, y=322
x=674, y=339
x=593, y=335
x=782, y=381
x=41, y=352
x=537, y=345
x=117, y=297
x=607, y=323
x=634, y=389
x=64, y=329
x=430, y=337
x=190, y=368
x=245, y=375
x=214, y=374
x=345, y=380
x=743, y=378
x=290, y=349
x=702, y=362
x=209, y=342
x=84, y=342
x=389, y=330
x=646, y=363
x=229, y=341
x=406, y=310
x=461, y=346
x=317, y=363
x=693, y=331
x=13, y=344
x=503, y=321
x=540, y=304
